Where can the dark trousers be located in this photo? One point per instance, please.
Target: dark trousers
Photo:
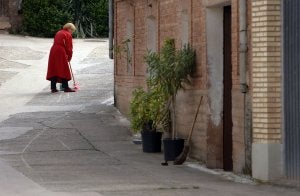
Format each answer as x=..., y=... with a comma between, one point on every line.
x=64, y=82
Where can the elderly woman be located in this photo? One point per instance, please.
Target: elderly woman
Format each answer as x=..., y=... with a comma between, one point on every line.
x=59, y=58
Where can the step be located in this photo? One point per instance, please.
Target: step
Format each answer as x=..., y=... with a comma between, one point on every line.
x=4, y=23
x=2, y=31
x=4, y=19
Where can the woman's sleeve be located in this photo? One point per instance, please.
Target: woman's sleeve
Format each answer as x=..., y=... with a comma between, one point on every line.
x=69, y=47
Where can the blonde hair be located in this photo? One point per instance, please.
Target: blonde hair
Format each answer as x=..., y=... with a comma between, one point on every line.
x=70, y=26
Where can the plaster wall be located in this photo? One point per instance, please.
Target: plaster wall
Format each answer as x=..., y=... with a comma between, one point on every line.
x=214, y=34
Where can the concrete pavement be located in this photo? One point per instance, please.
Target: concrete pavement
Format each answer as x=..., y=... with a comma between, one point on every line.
x=77, y=143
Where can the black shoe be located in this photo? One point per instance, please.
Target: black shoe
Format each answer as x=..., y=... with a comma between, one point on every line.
x=69, y=90
x=54, y=90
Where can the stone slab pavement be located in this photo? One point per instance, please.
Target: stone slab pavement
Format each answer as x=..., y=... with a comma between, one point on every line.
x=78, y=143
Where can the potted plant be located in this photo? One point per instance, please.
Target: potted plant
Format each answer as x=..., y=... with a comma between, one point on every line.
x=146, y=112
x=169, y=71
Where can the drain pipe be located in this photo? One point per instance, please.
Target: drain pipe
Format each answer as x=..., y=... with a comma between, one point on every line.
x=243, y=45
x=111, y=39
x=243, y=54
x=111, y=28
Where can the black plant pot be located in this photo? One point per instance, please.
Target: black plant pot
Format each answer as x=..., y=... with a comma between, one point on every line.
x=151, y=141
x=172, y=148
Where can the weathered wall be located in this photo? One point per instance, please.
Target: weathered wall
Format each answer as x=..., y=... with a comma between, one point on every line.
x=15, y=17
x=184, y=20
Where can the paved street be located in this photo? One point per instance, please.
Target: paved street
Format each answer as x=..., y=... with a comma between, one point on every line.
x=65, y=144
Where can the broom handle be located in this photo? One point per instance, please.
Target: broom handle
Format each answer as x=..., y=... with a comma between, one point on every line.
x=72, y=73
x=191, y=131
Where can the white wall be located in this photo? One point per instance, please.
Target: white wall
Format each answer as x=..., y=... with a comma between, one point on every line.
x=214, y=23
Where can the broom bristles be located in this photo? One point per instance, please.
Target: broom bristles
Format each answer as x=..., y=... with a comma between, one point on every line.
x=76, y=86
x=180, y=159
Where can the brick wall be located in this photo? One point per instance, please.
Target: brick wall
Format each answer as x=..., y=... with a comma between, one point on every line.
x=266, y=60
x=168, y=16
x=121, y=54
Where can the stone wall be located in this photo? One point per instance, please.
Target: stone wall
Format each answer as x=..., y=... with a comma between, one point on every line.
x=10, y=16
x=15, y=17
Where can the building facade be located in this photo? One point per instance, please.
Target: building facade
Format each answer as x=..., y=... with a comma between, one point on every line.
x=244, y=124
x=10, y=15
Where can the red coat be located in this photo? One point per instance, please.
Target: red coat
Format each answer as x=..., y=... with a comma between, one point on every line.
x=60, y=54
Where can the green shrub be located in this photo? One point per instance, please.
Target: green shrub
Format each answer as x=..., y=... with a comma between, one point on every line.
x=99, y=16
x=91, y=17
x=169, y=71
x=44, y=17
x=147, y=110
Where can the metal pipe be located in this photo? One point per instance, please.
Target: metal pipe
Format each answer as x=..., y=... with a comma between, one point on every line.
x=111, y=28
x=243, y=49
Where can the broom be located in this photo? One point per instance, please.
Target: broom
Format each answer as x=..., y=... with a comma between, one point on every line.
x=183, y=155
x=75, y=84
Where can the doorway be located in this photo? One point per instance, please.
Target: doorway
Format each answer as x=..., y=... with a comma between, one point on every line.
x=219, y=142
x=227, y=98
